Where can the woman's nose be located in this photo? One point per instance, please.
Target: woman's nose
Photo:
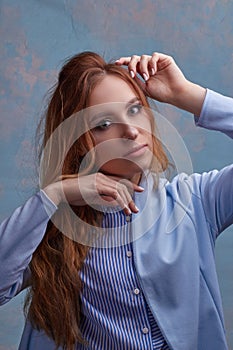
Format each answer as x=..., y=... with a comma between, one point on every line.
x=130, y=132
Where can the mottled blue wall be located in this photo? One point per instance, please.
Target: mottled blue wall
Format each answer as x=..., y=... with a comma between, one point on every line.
x=37, y=35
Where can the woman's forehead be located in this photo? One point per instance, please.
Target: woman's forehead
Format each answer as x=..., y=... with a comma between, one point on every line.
x=111, y=89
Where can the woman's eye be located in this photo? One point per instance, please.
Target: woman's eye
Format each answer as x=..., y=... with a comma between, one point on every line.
x=103, y=125
x=135, y=109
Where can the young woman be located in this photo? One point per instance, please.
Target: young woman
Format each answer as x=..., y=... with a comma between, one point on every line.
x=93, y=245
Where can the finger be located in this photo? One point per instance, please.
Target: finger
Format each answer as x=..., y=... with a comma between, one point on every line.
x=115, y=194
x=161, y=61
x=133, y=65
x=123, y=203
x=127, y=208
x=126, y=195
x=133, y=207
x=115, y=203
x=123, y=61
x=138, y=188
x=119, y=192
x=132, y=187
x=126, y=191
x=129, y=184
x=120, y=196
x=131, y=62
x=113, y=200
x=138, y=64
x=154, y=62
x=145, y=66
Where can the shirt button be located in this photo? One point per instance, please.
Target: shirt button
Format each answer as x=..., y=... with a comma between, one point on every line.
x=129, y=254
x=136, y=291
x=145, y=330
x=127, y=218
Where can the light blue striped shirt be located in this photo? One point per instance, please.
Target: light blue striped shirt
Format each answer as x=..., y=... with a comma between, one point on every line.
x=115, y=312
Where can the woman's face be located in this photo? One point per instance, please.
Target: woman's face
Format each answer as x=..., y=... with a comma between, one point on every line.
x=121, y=129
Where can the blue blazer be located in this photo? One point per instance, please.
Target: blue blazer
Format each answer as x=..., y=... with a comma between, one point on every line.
x=173, y=240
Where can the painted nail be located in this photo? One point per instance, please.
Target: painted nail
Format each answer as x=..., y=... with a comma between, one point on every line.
x=145, y=76
x=132, y=74
x=129, y=211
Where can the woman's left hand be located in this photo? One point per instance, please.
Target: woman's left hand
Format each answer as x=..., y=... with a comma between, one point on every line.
x=164, y=81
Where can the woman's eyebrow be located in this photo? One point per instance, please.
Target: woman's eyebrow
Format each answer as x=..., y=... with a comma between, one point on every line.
x=134, y=99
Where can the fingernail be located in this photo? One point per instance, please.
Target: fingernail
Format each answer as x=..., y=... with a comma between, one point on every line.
x=141, y=188
x=129, y=212
x=136, y=208
x=132, y=74
x=127, y=209
x=145, y=76
x=152, y=71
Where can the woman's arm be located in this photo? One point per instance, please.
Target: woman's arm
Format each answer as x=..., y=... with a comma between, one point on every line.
x=217, y=113
x=97, y=189
x=216, y=187
x=20, y=235
x=165, y=82
x=23, y=231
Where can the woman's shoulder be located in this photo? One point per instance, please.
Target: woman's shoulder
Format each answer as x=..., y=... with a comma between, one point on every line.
x=197, y=183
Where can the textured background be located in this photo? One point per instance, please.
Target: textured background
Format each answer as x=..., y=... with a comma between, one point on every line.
x=36, y=37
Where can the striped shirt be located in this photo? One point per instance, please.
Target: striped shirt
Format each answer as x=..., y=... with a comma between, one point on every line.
x=115, y=312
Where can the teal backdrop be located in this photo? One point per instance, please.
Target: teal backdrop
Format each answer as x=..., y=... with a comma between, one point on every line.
x=36, y=37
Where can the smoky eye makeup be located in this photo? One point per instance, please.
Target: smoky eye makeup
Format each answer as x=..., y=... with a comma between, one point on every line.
x=135, y=109
x=103, y=124
x=101, y=120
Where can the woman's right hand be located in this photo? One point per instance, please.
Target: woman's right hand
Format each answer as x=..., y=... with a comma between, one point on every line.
x=95, y=189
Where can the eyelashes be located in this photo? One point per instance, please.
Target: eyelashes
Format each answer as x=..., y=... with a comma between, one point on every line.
x=135, y=109
x=108, y=121
x=103, y=125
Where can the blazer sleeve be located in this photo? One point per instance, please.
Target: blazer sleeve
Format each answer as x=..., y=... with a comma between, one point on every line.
x=217, y=186
x=20, y=235
x=217, y=113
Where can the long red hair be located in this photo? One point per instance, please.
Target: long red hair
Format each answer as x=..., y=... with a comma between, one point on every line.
x=53, y=302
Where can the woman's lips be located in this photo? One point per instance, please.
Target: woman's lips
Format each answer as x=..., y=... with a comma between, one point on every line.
x=137, y=151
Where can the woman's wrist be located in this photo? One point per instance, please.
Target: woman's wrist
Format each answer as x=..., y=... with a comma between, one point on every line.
x=190, y=98
x=54, y=192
